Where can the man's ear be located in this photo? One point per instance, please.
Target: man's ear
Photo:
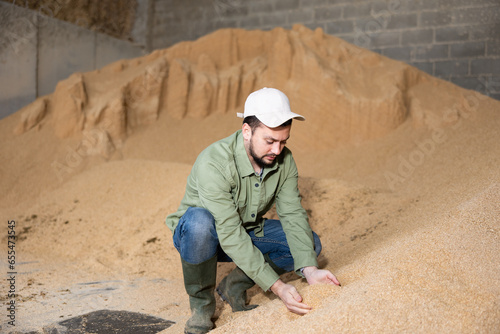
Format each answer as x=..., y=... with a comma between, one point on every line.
x=247, y=131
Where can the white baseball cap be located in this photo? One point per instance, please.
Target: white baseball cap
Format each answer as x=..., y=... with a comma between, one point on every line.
x=270, y=106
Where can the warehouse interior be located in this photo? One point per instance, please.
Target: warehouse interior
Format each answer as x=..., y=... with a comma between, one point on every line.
x=106, y=105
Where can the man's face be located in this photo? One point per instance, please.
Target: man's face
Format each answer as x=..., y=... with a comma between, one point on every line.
x=264, y=144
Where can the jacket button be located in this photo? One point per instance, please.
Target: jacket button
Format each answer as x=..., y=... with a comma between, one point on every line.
x=256, y=184
x=253, y=215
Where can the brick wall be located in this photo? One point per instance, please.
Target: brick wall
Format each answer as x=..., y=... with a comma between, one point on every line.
x=37, y=51
x=457, y=40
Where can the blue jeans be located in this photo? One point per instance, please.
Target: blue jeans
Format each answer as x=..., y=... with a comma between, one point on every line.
x=196, y=240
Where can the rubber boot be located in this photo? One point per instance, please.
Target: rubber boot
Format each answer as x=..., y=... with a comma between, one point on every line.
x=199, y=281
x=233, y=289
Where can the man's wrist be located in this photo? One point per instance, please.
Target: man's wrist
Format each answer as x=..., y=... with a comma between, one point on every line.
x=276, y=287
x=308, y=270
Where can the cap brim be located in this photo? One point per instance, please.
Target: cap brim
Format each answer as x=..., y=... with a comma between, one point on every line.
x=272, y=121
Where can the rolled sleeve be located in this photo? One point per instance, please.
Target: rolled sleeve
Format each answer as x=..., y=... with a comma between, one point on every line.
x=295, y=221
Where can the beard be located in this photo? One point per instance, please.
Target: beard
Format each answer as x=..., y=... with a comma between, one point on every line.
x=260, y=160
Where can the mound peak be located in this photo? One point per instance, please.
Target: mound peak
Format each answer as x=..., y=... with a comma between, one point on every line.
x=348, y=94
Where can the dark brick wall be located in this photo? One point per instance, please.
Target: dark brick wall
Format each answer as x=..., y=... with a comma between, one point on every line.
x=456, y=40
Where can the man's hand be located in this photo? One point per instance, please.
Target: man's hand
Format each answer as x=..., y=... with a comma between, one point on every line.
x=290, y=297
x=314, y=275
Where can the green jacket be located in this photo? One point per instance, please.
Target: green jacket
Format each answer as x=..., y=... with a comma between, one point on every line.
x=224, y=182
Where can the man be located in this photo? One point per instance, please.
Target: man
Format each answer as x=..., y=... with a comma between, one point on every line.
x=232, y=184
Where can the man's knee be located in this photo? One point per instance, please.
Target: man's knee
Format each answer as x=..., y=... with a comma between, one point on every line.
x=199, y=221
x=196, y=238
x=199, y=214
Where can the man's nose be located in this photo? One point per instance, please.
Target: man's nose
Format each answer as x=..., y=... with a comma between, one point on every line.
x=277, y=147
